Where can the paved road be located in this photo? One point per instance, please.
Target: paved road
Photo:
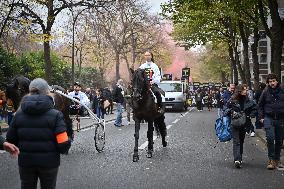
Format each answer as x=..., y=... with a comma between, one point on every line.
x=193, y=159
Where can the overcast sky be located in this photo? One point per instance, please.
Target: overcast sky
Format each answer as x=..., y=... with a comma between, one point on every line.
x=156, y=4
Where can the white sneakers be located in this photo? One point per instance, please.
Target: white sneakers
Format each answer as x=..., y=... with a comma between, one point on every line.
x=252, y=134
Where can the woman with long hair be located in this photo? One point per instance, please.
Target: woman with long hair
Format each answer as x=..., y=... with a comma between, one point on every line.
x=238, y=104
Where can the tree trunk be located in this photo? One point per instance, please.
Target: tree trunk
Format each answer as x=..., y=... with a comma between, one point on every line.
x=6, y=19
x=234, y=71
x=73, y=54
x=133, y=44
x=223, y=77
x=277, y=37
x=47, y=59
x=117, y=65
x=244, y=37
x=255, y=61
x=239, y=66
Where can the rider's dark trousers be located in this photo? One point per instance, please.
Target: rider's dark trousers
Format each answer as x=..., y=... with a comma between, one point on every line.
x=157, y=94
x=30, y=176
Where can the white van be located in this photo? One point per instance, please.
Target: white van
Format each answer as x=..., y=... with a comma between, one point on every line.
x=175, y=94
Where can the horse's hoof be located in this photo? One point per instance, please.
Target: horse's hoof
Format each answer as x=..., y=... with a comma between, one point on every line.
x=164, y=144
x=149, y=155
x=135, y=158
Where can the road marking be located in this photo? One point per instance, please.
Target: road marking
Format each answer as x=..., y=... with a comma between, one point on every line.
x=145, y=144
x=169, y=126
x=175, y=121
x=2, y=151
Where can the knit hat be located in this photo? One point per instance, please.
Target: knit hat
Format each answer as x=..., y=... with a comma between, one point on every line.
x=40, y=86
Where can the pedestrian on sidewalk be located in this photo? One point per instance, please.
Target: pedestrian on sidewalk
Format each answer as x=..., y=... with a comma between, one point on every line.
x=258, y=124
x=98, y=104
x=39, y=130
x=118, y=94
x=220, y=103
x=228, y=93
x=198, y=100
x=242, y=105
x=271, y=114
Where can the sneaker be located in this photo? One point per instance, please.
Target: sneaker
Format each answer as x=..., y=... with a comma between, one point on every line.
x=252, y=134
x=270, y=165
x=247, y=133
x=238, y=164
x=278, y=164
x=128, y=123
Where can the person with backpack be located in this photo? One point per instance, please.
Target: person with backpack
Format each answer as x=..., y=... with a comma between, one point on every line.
x=271, y=114
x=240, y=108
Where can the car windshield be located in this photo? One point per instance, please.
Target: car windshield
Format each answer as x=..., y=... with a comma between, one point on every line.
x=171, y=87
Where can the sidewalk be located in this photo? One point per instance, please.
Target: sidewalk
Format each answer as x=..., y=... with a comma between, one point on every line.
x=260, y=133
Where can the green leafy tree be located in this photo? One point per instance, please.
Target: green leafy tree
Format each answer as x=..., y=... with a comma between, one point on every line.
x=32, y=65
x=8, y=67
x=215, y=65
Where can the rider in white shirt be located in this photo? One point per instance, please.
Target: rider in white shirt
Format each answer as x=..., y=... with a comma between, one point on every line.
x=78, y=94
x=155, y=77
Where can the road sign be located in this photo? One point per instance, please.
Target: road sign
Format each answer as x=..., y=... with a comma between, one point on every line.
x=185, y=72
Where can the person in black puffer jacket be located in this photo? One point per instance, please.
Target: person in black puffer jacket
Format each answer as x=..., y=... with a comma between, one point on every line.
x=39, y=131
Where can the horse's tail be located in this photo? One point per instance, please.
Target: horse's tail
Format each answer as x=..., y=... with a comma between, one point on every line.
x=160, y=126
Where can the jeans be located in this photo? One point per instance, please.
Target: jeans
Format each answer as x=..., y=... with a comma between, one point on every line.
x=258, y=124
x=274, y=136
x=30, y=176
x=118, y=120
x=100, y=112
x=238, y=143
x=220, y=112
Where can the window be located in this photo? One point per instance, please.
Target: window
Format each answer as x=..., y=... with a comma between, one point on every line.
x=171, y=87
x=262, y=43
x=263, y=58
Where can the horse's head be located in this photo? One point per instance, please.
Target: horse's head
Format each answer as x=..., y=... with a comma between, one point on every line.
x=140, y=84
x=17, y=89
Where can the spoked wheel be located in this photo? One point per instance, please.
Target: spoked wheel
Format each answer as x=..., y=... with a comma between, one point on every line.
x=99, y=138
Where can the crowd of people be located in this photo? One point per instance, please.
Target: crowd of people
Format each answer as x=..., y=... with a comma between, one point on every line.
x=38, y=124
x=266, y=105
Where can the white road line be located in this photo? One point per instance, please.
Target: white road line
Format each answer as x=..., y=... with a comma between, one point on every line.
x=169, y=126
x=145, y=144
x=175, y=121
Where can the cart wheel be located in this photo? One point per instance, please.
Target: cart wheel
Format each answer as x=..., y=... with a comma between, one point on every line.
x=99, y=138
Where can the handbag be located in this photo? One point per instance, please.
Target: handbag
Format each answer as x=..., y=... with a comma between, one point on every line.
x=238, y=119
x=106, y=104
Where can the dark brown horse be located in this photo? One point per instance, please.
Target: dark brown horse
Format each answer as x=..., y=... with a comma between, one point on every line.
x=20, y=87
x=145, y=108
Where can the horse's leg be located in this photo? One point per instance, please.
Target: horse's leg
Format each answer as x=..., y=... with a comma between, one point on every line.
x=150, y=139
x=136, y=136
x=160, y=125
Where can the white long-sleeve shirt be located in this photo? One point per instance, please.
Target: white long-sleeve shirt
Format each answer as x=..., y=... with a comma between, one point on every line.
x=82, y=96
x=156, y=77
